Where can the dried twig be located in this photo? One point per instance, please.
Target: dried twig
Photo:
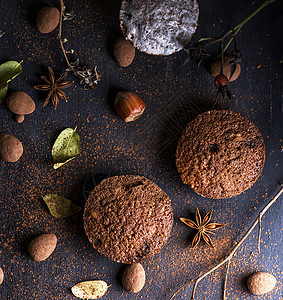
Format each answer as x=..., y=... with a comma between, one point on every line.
x=259, y=233
x=225, y=279
x=229, y=257
x=235, y=30
x=89, y=76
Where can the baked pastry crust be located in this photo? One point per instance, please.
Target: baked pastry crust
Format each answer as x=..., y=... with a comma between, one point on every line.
x=159, y=27
x=220, y=154
x=128, y=218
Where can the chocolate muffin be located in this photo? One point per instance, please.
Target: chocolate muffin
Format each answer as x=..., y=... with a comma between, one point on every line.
x=159, y=27
x=220, y=154
x=128, y=218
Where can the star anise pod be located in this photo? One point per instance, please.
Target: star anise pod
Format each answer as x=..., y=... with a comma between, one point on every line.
x=54, y=87
x=203, y=227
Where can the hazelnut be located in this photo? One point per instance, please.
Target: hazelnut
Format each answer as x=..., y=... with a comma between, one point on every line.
x=261, y=283
x=1, y=275
x=129, y=106
x=124, y=52
x=11, y=149
x=133, y=279
x=216, y=66
x=47, y=19
x=41, y=247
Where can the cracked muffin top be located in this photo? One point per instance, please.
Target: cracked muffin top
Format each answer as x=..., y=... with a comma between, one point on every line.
x=220, y=154
x=159, y=27
x=128, y=218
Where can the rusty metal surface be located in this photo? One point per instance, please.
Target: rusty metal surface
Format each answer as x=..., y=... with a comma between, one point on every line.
x=174, y=95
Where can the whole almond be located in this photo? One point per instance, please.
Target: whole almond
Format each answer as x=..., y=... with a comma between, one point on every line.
x=41, y=247
x=124, y=52
x=133, y=279
x=216, y=66
x=261, y=283
x=20, y=103
x=11, y=149
x=1, y=275
x=47, y=19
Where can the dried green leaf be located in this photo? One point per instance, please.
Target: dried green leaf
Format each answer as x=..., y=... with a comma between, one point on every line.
x=90, y=289
x=66, y=147
x=8, y=71
x=60, y=207
x=3, y=92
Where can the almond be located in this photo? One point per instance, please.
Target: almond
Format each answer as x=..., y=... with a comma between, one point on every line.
x=20, y=103
x=11, y=149
x=41, y=247
x=1, y=275
x=47, y=19
x=133, y=279
x=124, y=52
x=261, y=283
x=216, y=66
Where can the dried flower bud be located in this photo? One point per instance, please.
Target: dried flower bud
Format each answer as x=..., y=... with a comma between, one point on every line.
x=89, y=76
x=129, y=106
x=68, y=15
x=196, y=53
x=221, y=81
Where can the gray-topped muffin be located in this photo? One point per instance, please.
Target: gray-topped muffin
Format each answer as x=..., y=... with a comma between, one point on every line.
x=159, y=27
x=220, y=154
x=128, y=218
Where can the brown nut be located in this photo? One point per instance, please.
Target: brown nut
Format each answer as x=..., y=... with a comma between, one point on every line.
x=124, y=52
x=19, y=118
x=20, y=103
x=41, y=247
x=216, y=66
x=261, y=283
x=47, y=19
x=133, y=279
x=1, y=275
x=129, y=106
x=11, y=149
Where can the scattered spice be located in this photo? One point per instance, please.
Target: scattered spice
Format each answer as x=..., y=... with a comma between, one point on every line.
x=231, y=254
x=54, y=87
x=90, y=289
x=8, y=71
x=66, y=147
x=203, y=227
x=60, y=207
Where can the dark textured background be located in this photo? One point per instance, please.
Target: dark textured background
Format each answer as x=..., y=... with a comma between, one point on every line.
x=174, y=95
